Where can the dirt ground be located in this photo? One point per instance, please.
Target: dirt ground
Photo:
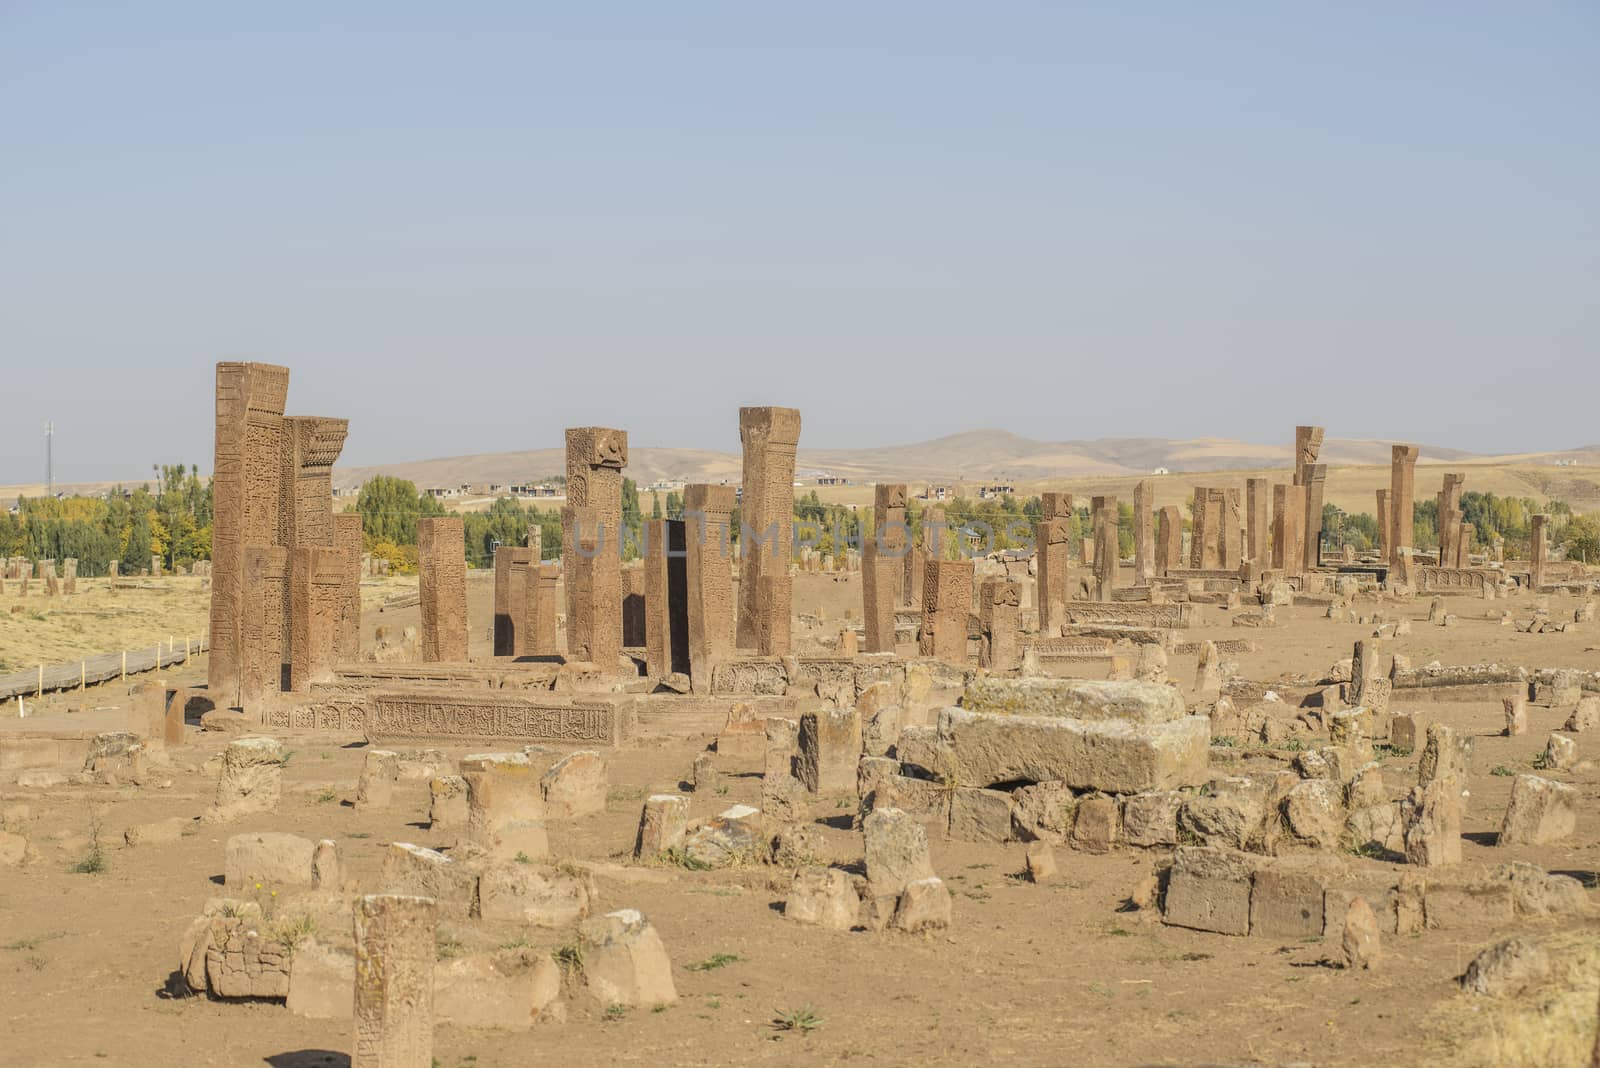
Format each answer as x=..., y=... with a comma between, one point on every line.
x=1046, y=975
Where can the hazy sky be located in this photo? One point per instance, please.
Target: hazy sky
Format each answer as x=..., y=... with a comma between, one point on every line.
x=465, y=226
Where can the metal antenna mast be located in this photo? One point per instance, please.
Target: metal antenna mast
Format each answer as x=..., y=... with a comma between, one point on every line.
x=49, y=457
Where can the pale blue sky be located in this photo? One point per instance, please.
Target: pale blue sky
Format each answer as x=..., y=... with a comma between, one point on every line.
x=465, y=226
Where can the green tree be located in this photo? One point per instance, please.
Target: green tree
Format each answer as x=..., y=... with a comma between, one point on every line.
x=390, y=508
x=1581, y=538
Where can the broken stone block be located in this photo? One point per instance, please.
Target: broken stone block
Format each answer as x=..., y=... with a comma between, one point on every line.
x=919, y=749
x=1232, y=814
x=980, y=815
x=574, y=786
x=782, y=740
x=1516, y=713
x=1534, y=892
x=267, y=859
x=380, y=770
x=1084, y=699
x=733, y=837
x=1044, y=811
x=1114, y=756
x=116, y=757
x=1152, y=664
x=1403, y=731
x=1585, y=717
x=531, y=894
x=505, y=805
x=663, y=824
x=320, y=980
x=1376, y=827
x=1560, y=753
x=927, y=802
x=507, y=990
x=252, y=779
x=1040, y=862
x=704, y=776
x=783, y=799
x=924, y=906
x=873, y=770
x=896, y=851
x=624, y=961
x=823, y=897
x=1541, y=811
x=1432, y=816
x=1209, y=890
x=1507, y=968
x=421, y=872
x=830, y=747
x=1150, y=820
x=1446, y=755
x=881, y=730
x=447, y=802
x=245, y=960
x=1286, y=902
x=1313, y=813
x=1095, y=828
x=1360, y=941
x=1349, y=729
x=743, y=740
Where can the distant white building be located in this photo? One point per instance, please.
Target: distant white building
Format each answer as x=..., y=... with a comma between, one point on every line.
x=1161, y=471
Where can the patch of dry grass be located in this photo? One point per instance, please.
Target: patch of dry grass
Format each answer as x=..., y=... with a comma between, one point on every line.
x=1550, y=1026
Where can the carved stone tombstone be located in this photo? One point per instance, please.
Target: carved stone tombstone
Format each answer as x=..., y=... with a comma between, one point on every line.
x=395, y=955
x=770, y=437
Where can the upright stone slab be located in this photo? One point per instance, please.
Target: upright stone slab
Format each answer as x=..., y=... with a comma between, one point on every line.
x=1307, y=448
x=1540, y=548
x=1169, y=539
x=1230, y=531
x=1315, y=484
x=1448, y=513
x=249, y=430
x=316, y=599
x=1107, y=551
x=1383, y=523
x=1053, y=555
x=770, y=437
x=1202, y=538
x=1402, y=501
x=634, y=612
x=442, y=587
x=1288, y=537
x=263, y=642
x=511, y=563
x=1144, y=550
x=394, y=981
x=707, y=513
x=543, y=606
x=666, y=598
x=946, y=603
x=592, y=543
x=348, y=539
x=1258, y=521
x=881, y=570
x=999, y=609
x=310, y=445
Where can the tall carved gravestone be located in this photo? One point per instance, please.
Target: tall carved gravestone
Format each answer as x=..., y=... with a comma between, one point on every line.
x=1169, y=539
x=1449, y=519
x=1402, y=501
x=442, y=587
x=591, y=526
x=1144, y=564
x=1383, y=523
x=708, y=578
x=1202, y=537
x=1053, y=555
x=395, y=954
x=1258, y=522
x=511, y=563
x=544, y=605
x=666, y=598
x=881, y=568
x=1316, y=481
x=316, y=601
x=634, y=613
x=264, y=601
x=1539, y=547
x=247, y=469
x=770, y=437
x=946, y=604
x=347, y=538
x=930, y=542
x=999, y=608
x=1107, y=551
x=1288, y=529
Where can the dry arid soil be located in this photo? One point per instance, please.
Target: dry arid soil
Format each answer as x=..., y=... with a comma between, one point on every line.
x=1056, y=974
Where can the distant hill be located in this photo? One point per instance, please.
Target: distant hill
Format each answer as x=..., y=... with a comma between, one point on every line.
x=974, y=454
